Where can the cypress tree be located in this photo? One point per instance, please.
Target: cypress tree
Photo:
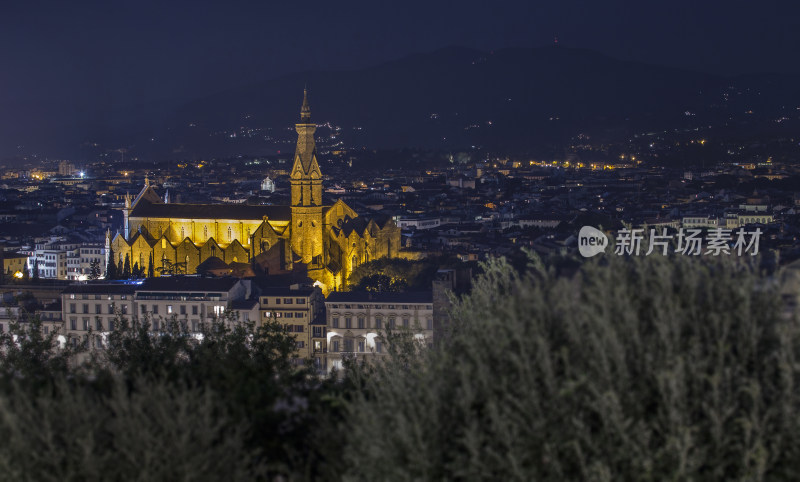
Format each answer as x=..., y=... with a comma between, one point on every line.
x=111, y=269
x=126, y=268
x=150, y=269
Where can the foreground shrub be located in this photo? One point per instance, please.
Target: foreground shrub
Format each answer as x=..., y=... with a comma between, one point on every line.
x=632, y=369
x=152, y=431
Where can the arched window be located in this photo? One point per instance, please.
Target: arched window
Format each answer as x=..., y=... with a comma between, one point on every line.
x=229, y=233
x=183, y=234
x=205, y=232
x=355, y=261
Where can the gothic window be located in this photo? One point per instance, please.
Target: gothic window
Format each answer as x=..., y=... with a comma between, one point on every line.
x=183, y=234
x=229, y=233
x=264, y=245
x=355, y=261
x=163, y=244
x=205, y=232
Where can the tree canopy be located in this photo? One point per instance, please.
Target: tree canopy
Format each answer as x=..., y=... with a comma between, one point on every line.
x=631, y=369
x=614, y=369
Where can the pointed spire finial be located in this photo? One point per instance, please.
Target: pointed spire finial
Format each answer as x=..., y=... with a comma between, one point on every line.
x=146, y=180
x=305, y=111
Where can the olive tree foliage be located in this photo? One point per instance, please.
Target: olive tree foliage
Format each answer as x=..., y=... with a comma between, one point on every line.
x=150, y=430
x=157, y=402
x=30, y=357
x=252, y=369
x=644, y=368
x=65, y=421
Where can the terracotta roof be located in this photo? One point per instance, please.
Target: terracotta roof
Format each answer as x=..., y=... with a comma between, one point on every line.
x=212, y=263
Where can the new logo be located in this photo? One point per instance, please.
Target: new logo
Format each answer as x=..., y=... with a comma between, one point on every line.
x=591, y=241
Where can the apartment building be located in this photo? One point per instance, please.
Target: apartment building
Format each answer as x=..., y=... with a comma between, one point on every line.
x=81, y=259
x=356, y=322
x=94, y=306
x=59, y=258
x=193, y=300
x=300, y=309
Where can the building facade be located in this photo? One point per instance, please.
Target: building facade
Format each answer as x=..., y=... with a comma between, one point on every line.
x=301, y=311
x=92, y=309
x=357, y=321
x=326, y=240
x=65, y=259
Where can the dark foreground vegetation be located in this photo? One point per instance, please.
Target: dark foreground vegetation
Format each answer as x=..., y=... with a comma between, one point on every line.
x=643, y=369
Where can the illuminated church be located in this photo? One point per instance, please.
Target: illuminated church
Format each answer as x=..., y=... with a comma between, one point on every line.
x=327, y=241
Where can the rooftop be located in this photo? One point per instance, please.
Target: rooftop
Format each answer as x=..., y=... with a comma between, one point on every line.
x=211, y=211
x=371, y=297
x=187, y=283
x=101, y=288
x=287, y=291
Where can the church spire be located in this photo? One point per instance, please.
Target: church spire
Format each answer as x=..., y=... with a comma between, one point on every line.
x=306, y=177
x=305, y=111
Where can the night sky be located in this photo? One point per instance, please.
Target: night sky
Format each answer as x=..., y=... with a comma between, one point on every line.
x=109, y=54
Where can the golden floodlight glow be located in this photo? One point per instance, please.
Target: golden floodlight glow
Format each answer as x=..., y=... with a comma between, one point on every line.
x=18, y=274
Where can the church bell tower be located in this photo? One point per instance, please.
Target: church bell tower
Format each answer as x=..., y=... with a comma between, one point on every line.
x=306, y=181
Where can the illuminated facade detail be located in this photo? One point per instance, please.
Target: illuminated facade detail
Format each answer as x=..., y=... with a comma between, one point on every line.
x=326, y=240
